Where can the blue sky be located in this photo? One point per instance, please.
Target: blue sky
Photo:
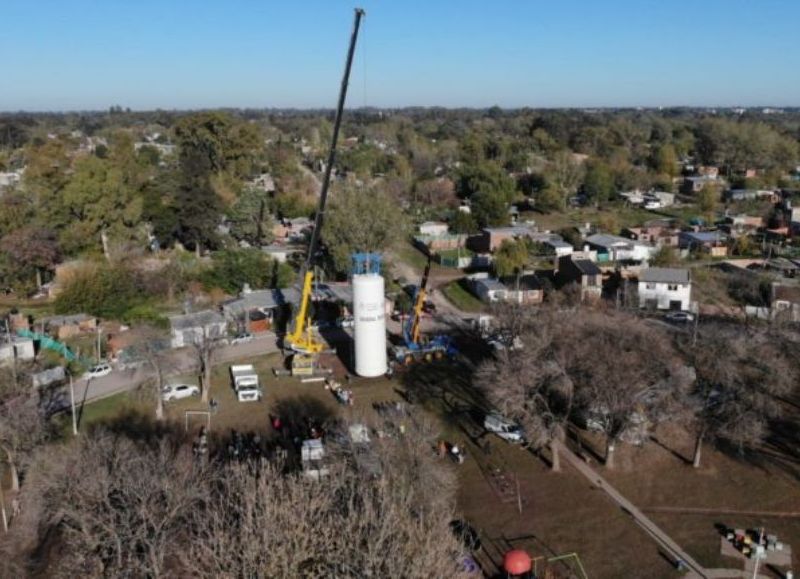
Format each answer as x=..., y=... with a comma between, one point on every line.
x=145, y=54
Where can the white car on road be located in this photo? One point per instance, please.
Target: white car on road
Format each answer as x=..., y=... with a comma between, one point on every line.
x=178, y=391
x=97, y=371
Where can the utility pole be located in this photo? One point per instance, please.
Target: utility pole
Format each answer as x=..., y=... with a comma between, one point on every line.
x=758, y=556
x=13, y=354
x=3, y=508
x=72, y=404
x=98, y=344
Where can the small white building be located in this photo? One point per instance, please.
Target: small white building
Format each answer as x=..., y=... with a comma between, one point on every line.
x=665, y=288
x=616, y=248
x=188, y=329
x=433, y=228
x=18, y=348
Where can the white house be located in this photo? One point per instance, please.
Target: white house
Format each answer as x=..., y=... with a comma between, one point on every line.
x=665, y=288
x=187, y=329
x=616, y=248
x=433, y=228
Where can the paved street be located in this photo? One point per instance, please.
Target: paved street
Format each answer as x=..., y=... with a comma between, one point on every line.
x=181, y=361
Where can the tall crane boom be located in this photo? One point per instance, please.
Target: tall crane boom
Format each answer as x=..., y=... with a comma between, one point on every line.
x=301, y=338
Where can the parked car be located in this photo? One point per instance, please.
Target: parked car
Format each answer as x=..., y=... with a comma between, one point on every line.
x=346, y=322
x=241, y=339
x=178, y=391
x=500, y=342
x=98, y=371
x=679, y=317
x=503, y=427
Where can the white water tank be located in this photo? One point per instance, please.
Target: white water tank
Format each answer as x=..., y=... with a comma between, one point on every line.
x=370, y=324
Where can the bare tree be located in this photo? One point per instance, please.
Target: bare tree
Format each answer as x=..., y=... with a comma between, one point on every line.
x=531, y=387
x=120, y=507
x=22, y=426
x=395, y=523
x=152, y=346
x=741, y=375
x=205, y=345
x=624, y=371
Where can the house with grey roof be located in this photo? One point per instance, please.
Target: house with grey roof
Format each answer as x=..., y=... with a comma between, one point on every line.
x=258, y=311
x=665, y=288
x=188, y=329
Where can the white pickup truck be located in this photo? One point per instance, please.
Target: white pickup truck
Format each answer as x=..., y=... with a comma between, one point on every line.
x=245, y=383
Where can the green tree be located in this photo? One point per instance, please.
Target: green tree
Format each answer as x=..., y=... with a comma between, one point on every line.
x=103, y=199
x=707, y=200
x=598, y=183
x=359, y=221
x=665, y=160
x=490, y=209
x=551, y=199
x=511, y=257
x=666, y=256
x=565, y=174
x=463, y=222
x=250, y=219
x=105, y=291
x=485, y=177
x=233, y=268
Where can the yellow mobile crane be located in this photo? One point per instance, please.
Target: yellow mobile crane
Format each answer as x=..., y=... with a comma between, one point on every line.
x=301, y=340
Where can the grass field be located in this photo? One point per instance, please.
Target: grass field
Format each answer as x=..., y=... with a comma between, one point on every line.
x=561, y=512
x=460, y=297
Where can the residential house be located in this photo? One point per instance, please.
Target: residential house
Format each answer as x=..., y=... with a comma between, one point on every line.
x=582, y=272
x=433, y=228
x=558, y=246
x=696, y=183
x=491, y=238
x=65, y=327
x=738, y=225
x=785, y=301
x=710, y=242
x=488, y=289
x=527, y=290
x=660, y=233
x=665, y=288
x=260, y=310
x=293, y=229
x=280, y=253
x=751, y=195
x=658, y=199
x=708, y=171
x=17, y=348
x=189, y=329
x=616, y=248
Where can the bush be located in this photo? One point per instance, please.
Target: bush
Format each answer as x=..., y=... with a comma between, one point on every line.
x=104, y=291
x=232, y=268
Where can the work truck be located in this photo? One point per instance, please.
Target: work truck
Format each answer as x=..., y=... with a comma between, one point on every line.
x=244, y=380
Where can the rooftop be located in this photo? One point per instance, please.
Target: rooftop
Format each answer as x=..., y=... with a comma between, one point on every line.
x=665, y=275
x=587, y=267
x=266, y=299
x=196, y=320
